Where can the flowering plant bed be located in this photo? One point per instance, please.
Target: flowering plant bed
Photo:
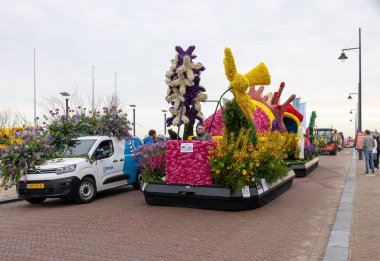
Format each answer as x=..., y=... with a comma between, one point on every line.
x=303, y=168
x=215, y=197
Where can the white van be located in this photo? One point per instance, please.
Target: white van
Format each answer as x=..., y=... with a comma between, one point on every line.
x=93, y=163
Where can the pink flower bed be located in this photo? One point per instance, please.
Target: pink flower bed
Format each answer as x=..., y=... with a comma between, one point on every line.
x=261, y=120
x=192, y=168
x=217, y=126
x=259, y=117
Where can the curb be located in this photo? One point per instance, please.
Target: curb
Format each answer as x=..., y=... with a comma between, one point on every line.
x=339, y=242
x=10, y=200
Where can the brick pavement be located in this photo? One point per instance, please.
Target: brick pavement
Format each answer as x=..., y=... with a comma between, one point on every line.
x=119, y=225
x=365, y=227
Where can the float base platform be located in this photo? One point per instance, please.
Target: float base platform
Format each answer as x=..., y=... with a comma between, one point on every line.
x=302, y=170
x=216, y=198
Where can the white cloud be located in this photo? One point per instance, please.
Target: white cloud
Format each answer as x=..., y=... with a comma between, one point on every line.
x=299, y=41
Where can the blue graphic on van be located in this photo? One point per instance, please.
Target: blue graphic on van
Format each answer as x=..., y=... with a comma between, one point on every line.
x=131, y=164
x=106, y=168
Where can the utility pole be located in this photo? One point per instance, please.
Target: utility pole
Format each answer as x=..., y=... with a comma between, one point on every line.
x=93, y=89
x=35, y=95
x=115, y=83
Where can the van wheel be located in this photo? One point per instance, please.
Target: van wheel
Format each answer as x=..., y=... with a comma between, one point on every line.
x=35, y=200
x=138, y=183
x=86, y=191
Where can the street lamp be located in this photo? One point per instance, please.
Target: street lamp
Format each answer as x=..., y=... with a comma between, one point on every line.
x=65, y=94
x=164, y=111
x=356, y=123
x=343, y=57
x=134, y=119
x=349, y=95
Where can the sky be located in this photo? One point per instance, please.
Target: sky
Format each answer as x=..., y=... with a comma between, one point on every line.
x=299, y=41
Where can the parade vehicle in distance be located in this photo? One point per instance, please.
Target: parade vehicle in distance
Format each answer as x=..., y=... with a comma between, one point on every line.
x=329, y=135
x=90, y=164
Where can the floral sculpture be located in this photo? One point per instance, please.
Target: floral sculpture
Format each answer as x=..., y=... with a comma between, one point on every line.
x=277, y=109
x=301, y=143
x=184, y=92
x=239, y=83
x=265, y=110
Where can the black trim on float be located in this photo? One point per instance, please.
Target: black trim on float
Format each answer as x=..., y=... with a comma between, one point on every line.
x=116, y=178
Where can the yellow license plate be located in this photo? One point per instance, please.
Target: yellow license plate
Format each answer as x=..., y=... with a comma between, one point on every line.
x=36, y=186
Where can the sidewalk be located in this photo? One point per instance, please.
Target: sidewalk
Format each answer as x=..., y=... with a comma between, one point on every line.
x=9, y=195
x=365, y=227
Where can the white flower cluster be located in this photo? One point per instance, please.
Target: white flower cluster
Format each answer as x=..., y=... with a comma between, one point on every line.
x=184, y=78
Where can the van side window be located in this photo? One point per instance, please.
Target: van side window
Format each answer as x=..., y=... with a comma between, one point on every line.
x=104, y=150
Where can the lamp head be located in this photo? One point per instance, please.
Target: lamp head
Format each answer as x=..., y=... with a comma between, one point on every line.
x=132, y=105
x=65, y=94
x=342, y=57
x=349, y=97
x=351, y=112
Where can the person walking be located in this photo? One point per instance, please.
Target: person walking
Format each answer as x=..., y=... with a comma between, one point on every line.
x=368, y=145
x=375, y=157
x=378, y=150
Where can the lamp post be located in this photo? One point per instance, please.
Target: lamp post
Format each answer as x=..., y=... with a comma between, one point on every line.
x=164, y=111
x=343, y=57
x=356, y=120
x=34, y=78
x=66, y=95
x=134, y=119
x=350, y=97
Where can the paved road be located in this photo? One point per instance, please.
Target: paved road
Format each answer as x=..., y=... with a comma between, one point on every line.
x=119, y=225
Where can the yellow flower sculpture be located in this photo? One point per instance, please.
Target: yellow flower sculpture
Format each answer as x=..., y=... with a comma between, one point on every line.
x=239, y=83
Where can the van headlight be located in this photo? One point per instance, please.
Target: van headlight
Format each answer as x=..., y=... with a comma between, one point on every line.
x=66, y=169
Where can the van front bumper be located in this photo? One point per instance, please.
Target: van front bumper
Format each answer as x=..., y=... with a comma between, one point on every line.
x=57, y=188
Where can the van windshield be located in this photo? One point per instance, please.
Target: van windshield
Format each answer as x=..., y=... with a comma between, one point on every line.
x=79, y=147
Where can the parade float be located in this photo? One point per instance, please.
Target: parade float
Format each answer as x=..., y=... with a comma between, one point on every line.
x=244, y=166
x=307, y=158
x=328, y=141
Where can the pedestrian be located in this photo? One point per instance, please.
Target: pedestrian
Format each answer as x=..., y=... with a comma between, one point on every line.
x=374, y=152
x=378, y=149
x=152, y=138
x=201, y=133
x=368, y=145
x=160, y=138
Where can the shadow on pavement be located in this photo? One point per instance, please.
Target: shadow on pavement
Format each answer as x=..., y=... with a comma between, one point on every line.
x=56, y=202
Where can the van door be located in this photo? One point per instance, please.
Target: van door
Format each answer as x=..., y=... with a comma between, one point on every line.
x=109, y=174
x=131, y=163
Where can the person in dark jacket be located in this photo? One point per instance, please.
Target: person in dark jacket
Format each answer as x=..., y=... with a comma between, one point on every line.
x=201, y=133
